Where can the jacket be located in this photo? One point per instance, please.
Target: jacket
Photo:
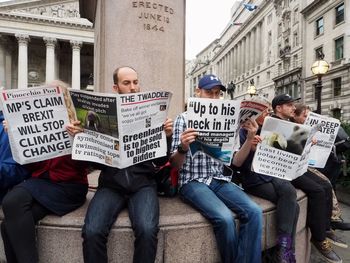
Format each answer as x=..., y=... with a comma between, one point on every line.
x=11, y=173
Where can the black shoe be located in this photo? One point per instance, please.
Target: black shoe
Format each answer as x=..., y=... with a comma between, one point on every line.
x=340, y=225
x=326, y=251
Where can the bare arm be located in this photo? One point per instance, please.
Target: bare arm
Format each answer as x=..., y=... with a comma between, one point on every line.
x=242, y=154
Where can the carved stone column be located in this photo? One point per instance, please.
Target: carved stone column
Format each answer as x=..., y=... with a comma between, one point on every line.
x=2, y=62
x=22, y=60
x=50, y=58
x=76, y=46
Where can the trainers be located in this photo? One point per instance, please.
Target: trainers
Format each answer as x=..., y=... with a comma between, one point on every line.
x=326, y=251
x=285, y=252
x=340, y=224
x=332, y=237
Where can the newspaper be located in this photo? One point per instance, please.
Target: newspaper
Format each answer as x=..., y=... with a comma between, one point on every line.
x=217, y=122
x=36, y=119
x=284, y=150
x=328, y=130
x=252, y=108
x=120, y=130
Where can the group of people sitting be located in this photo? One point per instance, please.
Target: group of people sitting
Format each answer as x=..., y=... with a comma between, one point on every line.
x=59, y=185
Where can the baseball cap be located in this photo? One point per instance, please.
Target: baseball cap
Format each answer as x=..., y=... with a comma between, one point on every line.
x=209, y=82
x=282, y=99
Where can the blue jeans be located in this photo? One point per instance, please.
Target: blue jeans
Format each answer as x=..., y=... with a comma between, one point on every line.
x=143, y=207
x=215, y=202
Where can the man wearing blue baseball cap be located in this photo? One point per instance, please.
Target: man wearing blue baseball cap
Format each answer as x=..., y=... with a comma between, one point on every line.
x=204, y=185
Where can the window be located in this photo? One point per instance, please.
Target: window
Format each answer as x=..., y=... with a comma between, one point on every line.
x=295, y=58
x=339, y=14
x=269, y=19
x=336, y=113
x=296, y=15
x=319, y=26
x=295, y=39
x=318, y=51
x=339, y=48
x=336, y=87
x=269, y=38
x=279, y=32
x=268, y=75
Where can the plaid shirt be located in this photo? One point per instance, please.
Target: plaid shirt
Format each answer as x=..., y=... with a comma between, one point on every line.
x=201, y=167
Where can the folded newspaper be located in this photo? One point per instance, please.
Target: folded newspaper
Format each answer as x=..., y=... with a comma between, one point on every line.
x=325, y=137
x=120, y=129
x=217, y=122
x=284, y=150
x=36, y=120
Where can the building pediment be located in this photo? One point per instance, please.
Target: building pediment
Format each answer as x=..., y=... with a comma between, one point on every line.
x=44, y=8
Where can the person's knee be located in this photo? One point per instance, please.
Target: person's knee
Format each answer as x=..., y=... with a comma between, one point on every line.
x=253, y=214
x=225, y=220
x=146, y=229
x=290, y=192
x=14, y=199
x=93, y=234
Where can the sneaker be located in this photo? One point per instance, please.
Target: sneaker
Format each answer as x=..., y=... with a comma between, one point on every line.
x=285, y=252
x=326, y=251
x=340, y=224
x=332, y=237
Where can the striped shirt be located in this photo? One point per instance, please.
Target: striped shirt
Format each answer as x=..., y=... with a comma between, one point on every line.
x=201, y=167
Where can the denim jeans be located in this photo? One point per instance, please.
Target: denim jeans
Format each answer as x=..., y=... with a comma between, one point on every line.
x=143, y=207
x=215, y=202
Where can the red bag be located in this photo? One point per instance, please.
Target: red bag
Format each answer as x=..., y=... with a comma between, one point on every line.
x=167, y=180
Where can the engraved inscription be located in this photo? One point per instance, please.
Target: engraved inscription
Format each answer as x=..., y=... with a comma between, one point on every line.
x=154, y=15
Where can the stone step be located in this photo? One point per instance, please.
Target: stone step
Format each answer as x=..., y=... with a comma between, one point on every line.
x=184, y=236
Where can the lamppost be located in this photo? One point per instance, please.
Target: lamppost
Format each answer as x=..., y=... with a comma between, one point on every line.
x=251, y=88
x=231, y=89
x=319, y=68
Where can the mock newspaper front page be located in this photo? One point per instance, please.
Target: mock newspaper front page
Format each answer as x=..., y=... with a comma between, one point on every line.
x=36, y=119
x=120, y=130
x=252, y=108
x=284, y=150
x=328, y=130
x=217, y=122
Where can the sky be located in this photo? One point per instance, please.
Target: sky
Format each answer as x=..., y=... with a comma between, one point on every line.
x=205, y=20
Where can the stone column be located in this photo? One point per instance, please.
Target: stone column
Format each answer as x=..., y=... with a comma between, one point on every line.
x=50, y=58
x=258, y=43
x=76, y=46
x=22, y=60
x=253, y=51
x=149, y=36
x=2, y=62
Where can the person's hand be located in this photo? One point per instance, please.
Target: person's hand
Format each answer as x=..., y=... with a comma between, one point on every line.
x=74, y=127
x=187, y=137
x=168, y=127
x=4, y=124
x=256, y=140
x=252, y=127
x=313, y=141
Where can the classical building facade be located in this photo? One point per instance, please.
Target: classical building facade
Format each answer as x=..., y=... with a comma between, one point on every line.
x=275, y=45
x=327, y=29
x=42, y=40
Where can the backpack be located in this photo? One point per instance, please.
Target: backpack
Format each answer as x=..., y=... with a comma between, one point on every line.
x=167, y=180
x=342, y=141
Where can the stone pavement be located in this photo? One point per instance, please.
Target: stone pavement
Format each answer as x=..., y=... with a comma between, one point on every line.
x=343, y=197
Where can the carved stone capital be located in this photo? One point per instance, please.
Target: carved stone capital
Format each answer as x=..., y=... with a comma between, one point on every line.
x=50, y=41
x=76, y=44
x=22, y=39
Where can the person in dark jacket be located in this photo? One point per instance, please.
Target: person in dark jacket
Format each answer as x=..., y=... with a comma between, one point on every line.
x=11, y=173
x=56, y=186
x=133, y=187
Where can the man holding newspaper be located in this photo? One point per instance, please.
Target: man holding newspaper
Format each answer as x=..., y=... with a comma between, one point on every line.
x=205, y=185
x=318, y=191
x=133, y=187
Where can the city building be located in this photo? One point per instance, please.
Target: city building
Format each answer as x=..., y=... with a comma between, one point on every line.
x=273, y=47
x=327, y=31
x=42, y=40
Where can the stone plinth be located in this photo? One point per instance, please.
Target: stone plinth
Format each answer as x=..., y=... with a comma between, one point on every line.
x=146, y=35
x=185, y=235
